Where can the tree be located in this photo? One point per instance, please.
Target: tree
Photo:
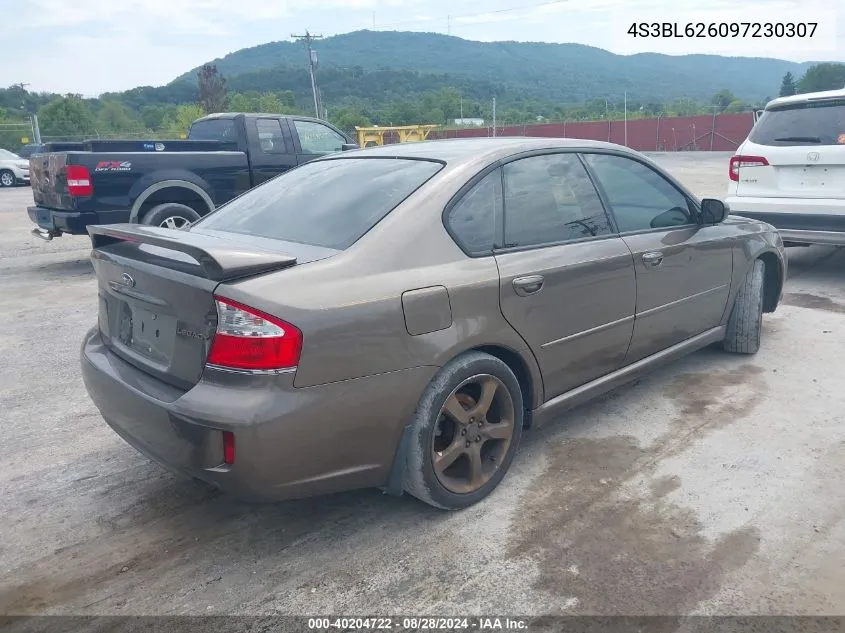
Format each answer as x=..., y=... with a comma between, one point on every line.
x=736, y=106
x=212, y=89
x=67, y=117
x=827, y=76
x=723, y=99
x=181, y=122
x=787, y=86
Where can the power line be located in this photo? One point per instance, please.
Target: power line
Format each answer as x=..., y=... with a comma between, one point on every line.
x=312, y=67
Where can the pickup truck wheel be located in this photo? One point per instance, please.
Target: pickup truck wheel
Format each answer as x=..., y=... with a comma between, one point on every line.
x=7, y=178
x=170, y=215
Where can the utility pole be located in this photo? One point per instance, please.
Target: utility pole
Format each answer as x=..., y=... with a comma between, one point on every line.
x=22, y=87
x=312, y=67
x=494, y=116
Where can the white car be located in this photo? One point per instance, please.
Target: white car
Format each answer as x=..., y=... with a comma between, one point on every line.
x=14, y=170
x=790, y=171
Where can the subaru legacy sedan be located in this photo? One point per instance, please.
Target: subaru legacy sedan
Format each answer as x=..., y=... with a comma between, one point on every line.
x=395, y=317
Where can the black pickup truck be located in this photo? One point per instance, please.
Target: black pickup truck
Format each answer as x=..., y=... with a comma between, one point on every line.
x=170, y=183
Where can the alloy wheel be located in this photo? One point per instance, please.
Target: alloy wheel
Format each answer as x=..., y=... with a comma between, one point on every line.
x=174, y=222
x=473, y=433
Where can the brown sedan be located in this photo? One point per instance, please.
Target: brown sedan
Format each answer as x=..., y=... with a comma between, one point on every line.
x=395, y=317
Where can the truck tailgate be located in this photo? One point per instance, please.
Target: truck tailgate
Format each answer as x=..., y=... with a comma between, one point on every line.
x=48, y=180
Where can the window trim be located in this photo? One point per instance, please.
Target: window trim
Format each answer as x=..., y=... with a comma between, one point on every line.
x=500, y=245
x=498, y=220
x=692, y=201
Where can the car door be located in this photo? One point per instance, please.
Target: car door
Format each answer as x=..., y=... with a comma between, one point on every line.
x=273, y=149
x=683, y=268
x=314, y=139
x=566, y=279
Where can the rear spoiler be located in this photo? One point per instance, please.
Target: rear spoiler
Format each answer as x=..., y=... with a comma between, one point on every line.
x=220, y=259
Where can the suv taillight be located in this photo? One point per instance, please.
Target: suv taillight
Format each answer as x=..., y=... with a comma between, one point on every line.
x=79, y=181
x=252, y=340
x=744, y=161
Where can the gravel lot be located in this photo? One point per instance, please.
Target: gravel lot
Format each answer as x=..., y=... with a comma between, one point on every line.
x=716, y=485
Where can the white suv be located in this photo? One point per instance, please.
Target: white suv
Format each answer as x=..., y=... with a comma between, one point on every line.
x=790, y=171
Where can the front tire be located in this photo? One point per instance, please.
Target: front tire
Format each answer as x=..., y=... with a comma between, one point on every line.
x=7, y=178
x=745, y=324
x=465, y=432
x=170, y=215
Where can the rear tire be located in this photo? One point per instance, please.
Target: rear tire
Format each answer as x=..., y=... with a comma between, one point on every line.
x=746, y=321
x=452, y=463
x=7, y=178
x=170, y=215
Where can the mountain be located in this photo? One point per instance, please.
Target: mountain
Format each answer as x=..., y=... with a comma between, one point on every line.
x=562, y=73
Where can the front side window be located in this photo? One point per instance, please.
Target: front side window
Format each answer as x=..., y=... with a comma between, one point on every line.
x=328, y=203
x=473, y=219
x=640, y=198
x=316, y=138
x=550, y=198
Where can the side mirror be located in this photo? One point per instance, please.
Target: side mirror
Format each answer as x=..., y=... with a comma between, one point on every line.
x=713, y=211
x=349, y=146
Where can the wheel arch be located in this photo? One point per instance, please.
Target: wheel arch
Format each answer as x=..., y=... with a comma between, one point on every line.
x=157, y=193
x=528, y=376
x=772, y=281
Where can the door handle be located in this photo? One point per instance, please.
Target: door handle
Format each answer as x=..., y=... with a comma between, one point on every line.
x=528, y=285
x=653, y=258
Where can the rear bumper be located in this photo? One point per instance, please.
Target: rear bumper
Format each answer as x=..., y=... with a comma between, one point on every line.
x=807, y=221
x=289, y=442
x=73, y=222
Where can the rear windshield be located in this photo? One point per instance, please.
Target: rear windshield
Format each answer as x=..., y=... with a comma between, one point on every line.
x=328, y=203
x=810, y=123
x=213, y=130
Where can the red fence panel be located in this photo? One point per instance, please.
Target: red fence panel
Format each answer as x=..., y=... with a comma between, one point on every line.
x=721, y=133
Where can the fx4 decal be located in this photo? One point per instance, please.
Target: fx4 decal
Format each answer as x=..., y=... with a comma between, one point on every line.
x=113, y=165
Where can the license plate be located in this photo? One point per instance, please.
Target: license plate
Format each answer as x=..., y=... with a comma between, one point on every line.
x=149, y=333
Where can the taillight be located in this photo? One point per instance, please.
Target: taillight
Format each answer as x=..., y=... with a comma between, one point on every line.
x=79, y=181
x=228, y=447
x=744, y=161
x=252, y=340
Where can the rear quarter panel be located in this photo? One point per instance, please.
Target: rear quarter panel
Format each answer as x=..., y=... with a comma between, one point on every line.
x=349, y=307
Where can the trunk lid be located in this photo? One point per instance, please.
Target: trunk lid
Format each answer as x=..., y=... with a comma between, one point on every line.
x=156, y=301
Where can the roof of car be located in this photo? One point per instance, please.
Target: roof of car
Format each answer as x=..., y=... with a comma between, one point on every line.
x=809, y=96
x=450, y=150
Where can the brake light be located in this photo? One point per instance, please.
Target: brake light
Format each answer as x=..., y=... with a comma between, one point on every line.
x=79, y=181
x=252, y=340
x=228, y=447
x=744, y=161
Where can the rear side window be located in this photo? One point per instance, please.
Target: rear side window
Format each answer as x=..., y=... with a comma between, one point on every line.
x=213, y=130
x=328, y=203
x=811, y=123
x=472, y=220
x=270, y=136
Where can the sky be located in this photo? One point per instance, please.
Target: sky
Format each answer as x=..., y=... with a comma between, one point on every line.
x=95, y=46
